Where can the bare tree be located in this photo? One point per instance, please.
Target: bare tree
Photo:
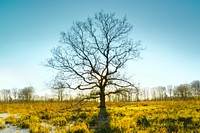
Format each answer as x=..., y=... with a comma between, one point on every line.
x=26, y=93
x=142, y=93
x=93, y=52
x=137, y=92
x=183, y=91
x=170, y=91
x=196, y=87
x=58, y=87
x=14, y=93
x=6, y=95
x=153, y=94
x=162, y=92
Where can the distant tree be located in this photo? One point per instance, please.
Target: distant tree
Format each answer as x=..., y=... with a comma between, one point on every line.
x=143, y=94
x=170, y=91
x=153, y=94
x=147, y=94
x=6, y=95
x=130, y=94
x=36, y=97
x=93, y=52
x=196, y=87
x=137, y=90
x=26, y=93
x=14, y=93
x=58, y=88
x=183, y=91
x=161, y=92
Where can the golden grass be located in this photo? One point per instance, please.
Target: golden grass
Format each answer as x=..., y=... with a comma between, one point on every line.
x=129, y=117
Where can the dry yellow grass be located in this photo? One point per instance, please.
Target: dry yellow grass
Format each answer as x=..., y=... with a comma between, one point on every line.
x=129, y=117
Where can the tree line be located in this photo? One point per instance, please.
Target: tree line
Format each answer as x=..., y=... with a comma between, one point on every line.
x=11, y=95
x=159, y=93
x=60, y=94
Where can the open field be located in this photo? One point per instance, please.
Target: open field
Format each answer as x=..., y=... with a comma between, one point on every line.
x=128, y=117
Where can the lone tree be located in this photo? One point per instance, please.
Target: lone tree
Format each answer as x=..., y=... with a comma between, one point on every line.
x=92, y=53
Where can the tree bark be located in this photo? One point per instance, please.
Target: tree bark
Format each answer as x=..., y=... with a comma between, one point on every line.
x=102, y=99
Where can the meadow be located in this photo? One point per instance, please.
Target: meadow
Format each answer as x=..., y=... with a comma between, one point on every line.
x=121, y=117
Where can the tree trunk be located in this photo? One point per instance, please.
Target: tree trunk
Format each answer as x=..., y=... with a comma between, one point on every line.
x=61, y=96
x=102, y=99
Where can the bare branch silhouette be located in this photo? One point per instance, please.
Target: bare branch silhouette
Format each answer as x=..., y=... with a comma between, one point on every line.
x=93, y=52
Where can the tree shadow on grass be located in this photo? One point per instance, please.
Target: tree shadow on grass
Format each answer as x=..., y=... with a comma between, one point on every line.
x=101, y=123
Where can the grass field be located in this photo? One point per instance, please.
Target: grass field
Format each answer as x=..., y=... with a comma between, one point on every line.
x=118, y=117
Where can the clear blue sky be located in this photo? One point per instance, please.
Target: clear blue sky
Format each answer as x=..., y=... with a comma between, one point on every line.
x=169, y=29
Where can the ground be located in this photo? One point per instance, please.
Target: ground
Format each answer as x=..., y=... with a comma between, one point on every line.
x=119, y=117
